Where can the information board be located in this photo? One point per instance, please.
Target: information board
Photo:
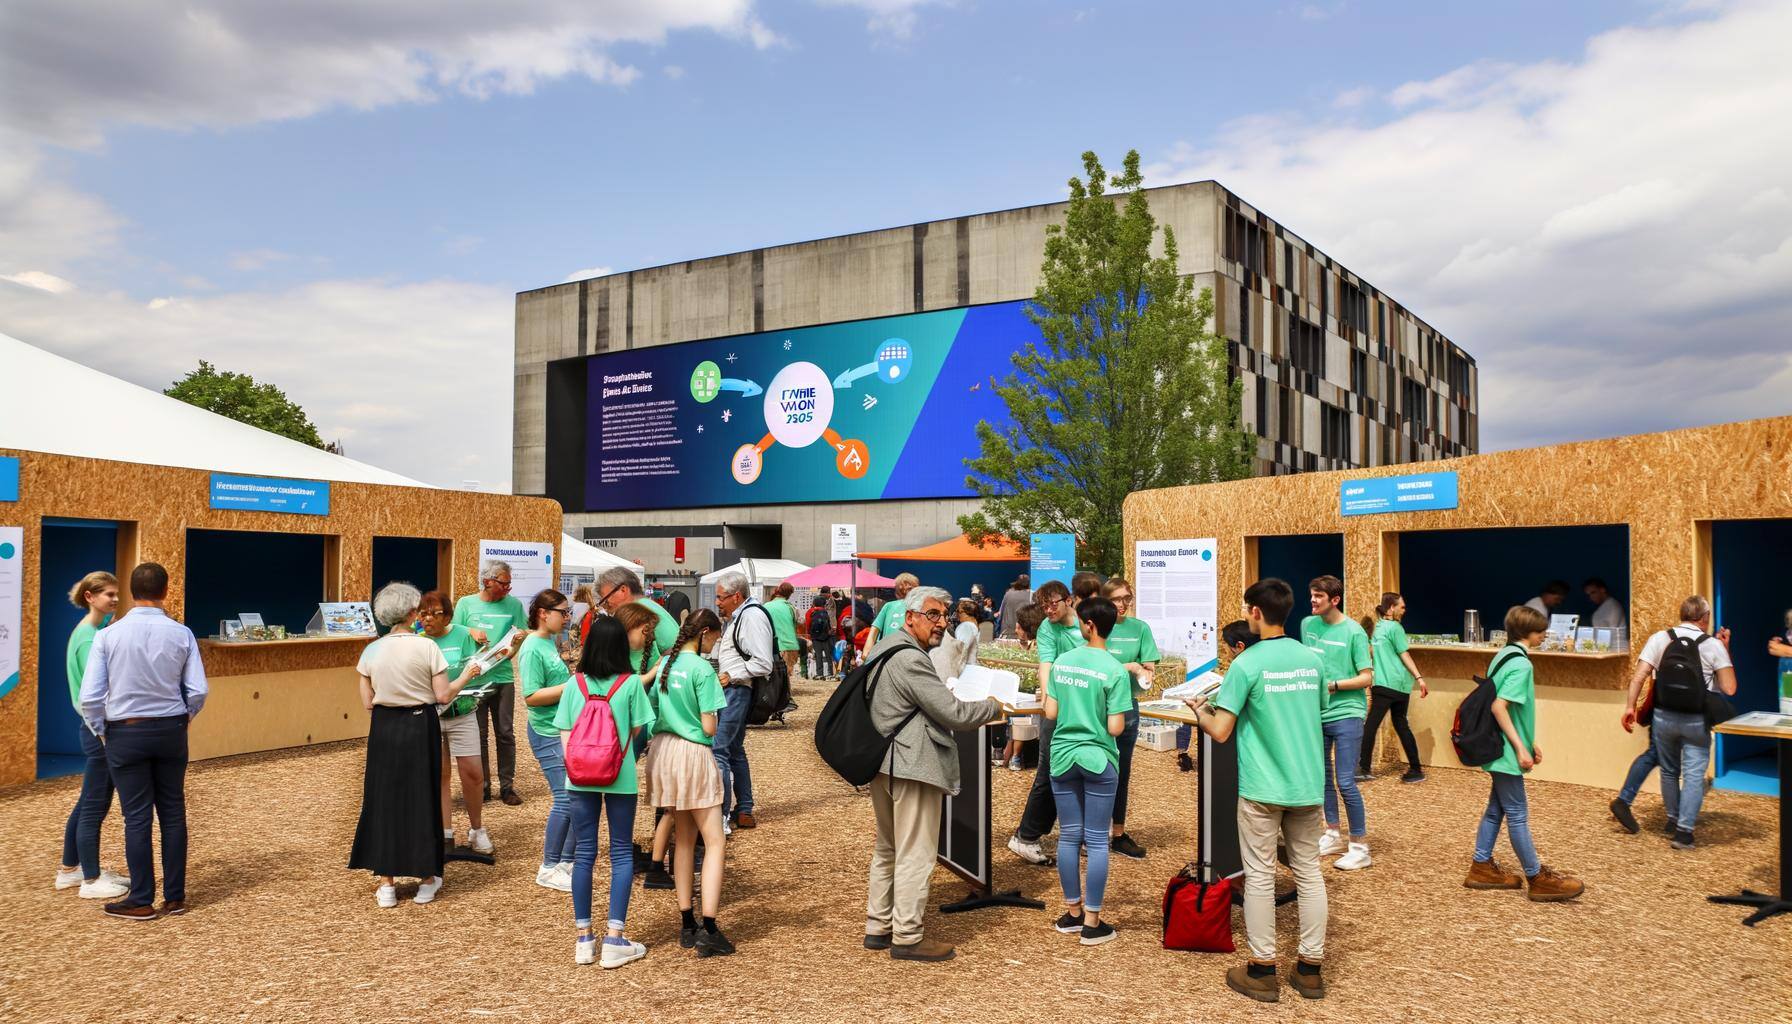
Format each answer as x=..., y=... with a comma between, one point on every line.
x=9, y=478
x=271, y=494
x=531, y=565
x=1415, y=493
x=12, y=598
x=1176, y=585
x=1052, y=557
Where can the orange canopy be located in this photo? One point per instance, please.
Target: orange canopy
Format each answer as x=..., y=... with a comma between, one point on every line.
x=959, y=549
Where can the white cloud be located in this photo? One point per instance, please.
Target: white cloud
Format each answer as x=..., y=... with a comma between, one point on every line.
x=894, y=18
x=41, y=281
x=580, y=275
x=672, y=71
x=1611, y=237
x=255, y=259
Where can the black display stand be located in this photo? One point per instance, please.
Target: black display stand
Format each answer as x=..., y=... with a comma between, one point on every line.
x=1216, y=809
x=964, y=829
x=1766, y=904
x=463, y=852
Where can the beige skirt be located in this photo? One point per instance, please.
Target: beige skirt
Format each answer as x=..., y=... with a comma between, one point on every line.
x=682, y=775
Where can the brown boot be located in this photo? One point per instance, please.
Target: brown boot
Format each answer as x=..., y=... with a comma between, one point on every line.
x=1265, y=989
x=1551, y=887
x=1487, y=874
x=1308, y=986
x=927, y=951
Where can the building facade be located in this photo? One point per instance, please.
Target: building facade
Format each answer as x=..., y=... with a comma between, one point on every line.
x=1336, y=374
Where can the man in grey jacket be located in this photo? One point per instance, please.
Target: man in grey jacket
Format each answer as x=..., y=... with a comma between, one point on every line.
x=922, y=767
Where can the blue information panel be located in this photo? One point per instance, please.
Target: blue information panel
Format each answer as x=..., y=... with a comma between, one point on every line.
x=1417, y=493
x=269, y=494
x=9, y=478
x=1053, y=558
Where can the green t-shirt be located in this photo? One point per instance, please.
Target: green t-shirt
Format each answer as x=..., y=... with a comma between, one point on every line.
x=1387, y=645
x=1344, y=651
x=495, y=618
x=1277, y=689
x=539, y=661
x=689, y=689
x=1131, y=642
x=80, y=642
x=457, y=646
x=1054, y=641
x=783, y=623
x=889, y=617
x=1089, y=685
x=1515, y=684
x=632, y=711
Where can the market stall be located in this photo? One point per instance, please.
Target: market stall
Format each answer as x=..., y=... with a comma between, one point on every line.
x=957, y=565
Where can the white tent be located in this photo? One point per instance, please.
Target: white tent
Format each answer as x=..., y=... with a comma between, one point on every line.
x=579, y=559
x=762, y=574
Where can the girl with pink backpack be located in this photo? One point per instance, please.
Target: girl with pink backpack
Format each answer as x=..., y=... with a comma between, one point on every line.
x=601, y=709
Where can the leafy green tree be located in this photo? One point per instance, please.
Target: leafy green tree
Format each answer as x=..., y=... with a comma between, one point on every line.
x=239, y=397
x=1128, y=389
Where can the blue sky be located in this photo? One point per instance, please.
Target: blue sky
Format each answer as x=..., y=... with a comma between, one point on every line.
x=294, y=195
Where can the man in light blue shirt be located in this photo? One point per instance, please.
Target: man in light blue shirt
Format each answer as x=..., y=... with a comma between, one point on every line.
x=144, y=683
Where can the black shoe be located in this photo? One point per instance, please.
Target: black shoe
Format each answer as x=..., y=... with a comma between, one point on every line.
x=1124, y=845
x=643, y=858
x=511, y=798
x=1184, y=763
x=1621, y=811
x=655, y=877
x=1671, y=829
x=1364, y=775
x=687, y=937
x=1682, y=840
x=1415, y=775
x=1097, y=935
x=877, y=942
x=1069, y=924
x=713, y=943
x=487, y=798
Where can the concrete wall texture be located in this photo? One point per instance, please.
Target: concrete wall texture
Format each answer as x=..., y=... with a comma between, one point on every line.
x=1336, y=374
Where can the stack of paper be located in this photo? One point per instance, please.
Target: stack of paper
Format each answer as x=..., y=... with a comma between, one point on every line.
x=499, y=651
x=1205, y=685
x=977, y=682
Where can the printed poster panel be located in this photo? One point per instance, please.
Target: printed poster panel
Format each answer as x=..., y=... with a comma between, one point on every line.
x=531, y=565
x=1177, y=585
x=12, y=590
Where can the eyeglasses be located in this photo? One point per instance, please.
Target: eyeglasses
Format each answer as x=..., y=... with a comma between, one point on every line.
x=431, y=613
x=933, y=616
x=562, y=610
x=498, y=584
x=1121, y=599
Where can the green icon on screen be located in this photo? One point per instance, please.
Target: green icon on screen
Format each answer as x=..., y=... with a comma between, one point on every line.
x=706, y=381
x=6, y=550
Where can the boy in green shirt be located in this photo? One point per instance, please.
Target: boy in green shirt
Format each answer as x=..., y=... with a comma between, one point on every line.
x=889, y=617
x=1343, y=649
x=1274, y=695
x=1057, y=635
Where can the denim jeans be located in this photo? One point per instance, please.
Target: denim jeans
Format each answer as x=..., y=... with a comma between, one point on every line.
x=1184, y=733
x=149, y=766
x=1639, y=773
x=1343, y=746
x=731, y=751
x=1126, y=741
x=1041, y=811
x=81, y=836
x=1683, y=747
x=586, y=809
x=1507, y=801
x=557, y=844
x=1085, y=803
x=821, y=656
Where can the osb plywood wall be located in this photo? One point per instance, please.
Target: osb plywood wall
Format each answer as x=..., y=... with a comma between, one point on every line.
x=1662, y=485
x=163, y=502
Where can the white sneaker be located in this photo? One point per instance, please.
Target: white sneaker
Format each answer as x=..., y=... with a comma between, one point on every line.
x=585, y=951
x=1029, y=852
x=550, y=877
x=427, y=891
x=104, y=888
x=1330, y=843
x=68, y=879
x=386, y=896
x=479, y=840
x=1357, y=857
x=615, y=956
x=448, y=837
x=727, y=826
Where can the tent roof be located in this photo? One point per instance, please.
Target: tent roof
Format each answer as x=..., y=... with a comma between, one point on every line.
x=40, y=394
x=839, y=574
x=958, y=549
x=764, y=570
x=576, y=555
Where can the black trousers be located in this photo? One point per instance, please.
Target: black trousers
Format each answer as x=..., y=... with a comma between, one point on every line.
x=1384, y=700
x=148, y=759
x=1041, y=812
x=496, y=713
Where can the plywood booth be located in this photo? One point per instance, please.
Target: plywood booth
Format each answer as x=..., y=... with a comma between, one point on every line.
x=1656, y=516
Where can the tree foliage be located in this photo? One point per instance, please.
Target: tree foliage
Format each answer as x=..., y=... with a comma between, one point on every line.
x=1128, y=389
x=238, y=396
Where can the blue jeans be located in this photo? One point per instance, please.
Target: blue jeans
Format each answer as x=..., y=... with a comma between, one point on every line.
x=1085, y=805
x=557, y=846
x=81, y=836
x=1184, y=733
x=1126, y=741
x=1507, y=801
x=1343, y=745
x=731, y=752
x=1639, y=773
x=1683, y=747
x=149, y=766
x=586, y=809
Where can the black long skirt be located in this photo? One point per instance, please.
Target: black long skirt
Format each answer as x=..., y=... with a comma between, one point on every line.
x=400, y=832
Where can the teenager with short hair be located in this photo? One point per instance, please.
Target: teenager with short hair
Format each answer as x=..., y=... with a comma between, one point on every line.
x=1058, y=634
x=1343, y=648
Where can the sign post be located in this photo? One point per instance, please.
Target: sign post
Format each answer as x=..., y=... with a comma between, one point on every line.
x=1053, y=557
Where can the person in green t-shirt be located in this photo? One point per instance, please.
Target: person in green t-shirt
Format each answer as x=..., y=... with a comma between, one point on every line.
x=1058, y=634
x=1090, y=695
x=488, y=615
x=784, y=627
x=460, y=726
x=543, y=679
x=1395, y=676
x=1515, y=709
x=1274, y=696
x=1343, y=649
x=97, y=597
x=889, y=617
x=604, y=663
x=1135, y=647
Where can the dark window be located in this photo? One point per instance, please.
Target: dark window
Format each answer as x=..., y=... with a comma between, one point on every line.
x=1334, y=432
x=1244, y=315
x=1306, y=346
x=1359, y=371
x=1353, y=307
x=1288, y=263
x=1262, y=406
x=1246, y=242
x=1416, y=405
x=1381, y=321
x=1285, y=399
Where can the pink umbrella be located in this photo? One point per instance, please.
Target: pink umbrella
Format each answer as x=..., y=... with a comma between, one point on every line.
x=839, y=574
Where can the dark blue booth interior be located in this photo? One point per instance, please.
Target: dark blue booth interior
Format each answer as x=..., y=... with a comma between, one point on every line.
x=72, y=548
x=1298, y=559
x=1752, y=571
x=279, y=575
x=1444, y=572
x=404, y=560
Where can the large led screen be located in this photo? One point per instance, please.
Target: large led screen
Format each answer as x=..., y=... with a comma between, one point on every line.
x=884, y=408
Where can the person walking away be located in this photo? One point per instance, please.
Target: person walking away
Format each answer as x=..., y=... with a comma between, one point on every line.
x=1016, y=597
x=906, y=797
x=784, y=626
x=1395, y=676
x=1685, y=660
x=1343, y=648
x=1273, y=697
x=460, y=726
x=889, y=617
x=97, y=596
x=1059, y=634
x=488, y=615
x=543, y=678
x=1088, y=706
x=1515, y=709
x=744, y=654
x=819, y=624
x=1135, y=647
x=1235, y=636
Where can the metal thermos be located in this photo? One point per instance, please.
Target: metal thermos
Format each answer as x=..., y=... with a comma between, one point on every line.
x=1471, y=626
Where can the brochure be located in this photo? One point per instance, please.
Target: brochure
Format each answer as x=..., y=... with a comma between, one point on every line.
x=491, y=654
x=978, y=682
x=345, y=618
x=1205, y=685
x=249, y=620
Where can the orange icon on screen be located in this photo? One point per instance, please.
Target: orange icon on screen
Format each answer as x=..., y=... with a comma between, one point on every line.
x=853, y=458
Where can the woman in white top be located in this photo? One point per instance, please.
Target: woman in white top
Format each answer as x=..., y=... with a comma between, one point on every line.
x=403, y=678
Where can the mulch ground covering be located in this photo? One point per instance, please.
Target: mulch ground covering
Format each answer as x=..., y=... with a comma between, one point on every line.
x=280, y=931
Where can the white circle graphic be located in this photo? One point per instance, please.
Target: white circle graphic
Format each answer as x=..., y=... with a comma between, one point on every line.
x=746, y=464
x=799, y=403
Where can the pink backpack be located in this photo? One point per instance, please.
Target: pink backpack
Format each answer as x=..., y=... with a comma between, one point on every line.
x=593, y=748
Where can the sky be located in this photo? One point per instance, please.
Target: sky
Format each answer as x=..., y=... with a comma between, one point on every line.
x=1593, y=199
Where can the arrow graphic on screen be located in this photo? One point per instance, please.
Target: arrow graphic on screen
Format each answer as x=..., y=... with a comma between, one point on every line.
x=845, y=379
x=746, y=387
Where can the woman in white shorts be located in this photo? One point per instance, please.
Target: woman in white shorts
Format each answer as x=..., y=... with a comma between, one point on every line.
x=460, y=727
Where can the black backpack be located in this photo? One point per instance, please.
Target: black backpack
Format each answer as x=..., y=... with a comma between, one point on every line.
x=821, y=622
x=1680, y=678
x=771, y=693
x=844, y=735
x=1476, y=733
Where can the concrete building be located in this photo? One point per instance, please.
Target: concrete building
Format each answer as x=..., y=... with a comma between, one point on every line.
x=1336, y=374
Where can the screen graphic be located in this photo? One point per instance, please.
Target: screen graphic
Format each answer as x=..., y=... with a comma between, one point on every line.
x=884, y=408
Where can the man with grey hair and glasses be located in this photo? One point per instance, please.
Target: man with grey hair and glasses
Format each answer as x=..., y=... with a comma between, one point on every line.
x=745, y=653
x=488, y=615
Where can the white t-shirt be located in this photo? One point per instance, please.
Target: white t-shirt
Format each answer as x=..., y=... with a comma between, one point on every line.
x=967, y=634
x=1608, y=615
x=403, y=667
x=1537, y=605
x=1712, y=654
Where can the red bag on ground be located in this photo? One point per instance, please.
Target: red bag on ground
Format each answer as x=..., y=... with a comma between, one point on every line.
x=594, y=748
x=1197, y=914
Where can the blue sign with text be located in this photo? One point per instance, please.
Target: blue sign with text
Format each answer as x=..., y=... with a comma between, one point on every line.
x=9, y=478
x=1417, y=493
x=269, y=494
x=1053, y=558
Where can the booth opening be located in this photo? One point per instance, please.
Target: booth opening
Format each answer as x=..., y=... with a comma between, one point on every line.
x=1443, y=573
x=71, y=549
x=419, y=561
x=1298, y=559
x=1752, y=595
x=279, y=576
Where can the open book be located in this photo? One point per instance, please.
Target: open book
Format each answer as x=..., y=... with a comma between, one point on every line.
x=977, y=682
x=1206, y=685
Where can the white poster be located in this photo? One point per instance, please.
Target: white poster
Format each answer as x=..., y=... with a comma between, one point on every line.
x=844, y=539
x=531, y=565
x=1176, y=585
x=12, y=590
